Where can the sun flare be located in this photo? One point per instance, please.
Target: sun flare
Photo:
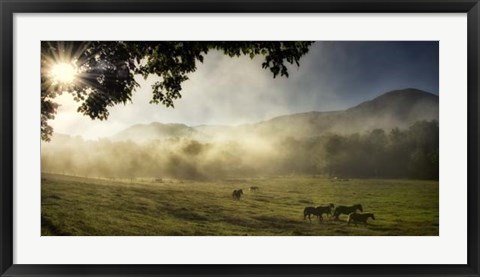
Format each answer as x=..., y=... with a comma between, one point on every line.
x=63, y=73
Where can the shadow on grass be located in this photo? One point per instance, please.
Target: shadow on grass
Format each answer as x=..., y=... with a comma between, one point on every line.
x=50, y=229
x=187, y=214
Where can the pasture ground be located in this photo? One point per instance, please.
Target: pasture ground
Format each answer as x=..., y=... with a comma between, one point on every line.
x=79, y=206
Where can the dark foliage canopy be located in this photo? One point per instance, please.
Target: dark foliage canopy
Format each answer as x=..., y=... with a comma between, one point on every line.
x=106, y=70
x=411, y=153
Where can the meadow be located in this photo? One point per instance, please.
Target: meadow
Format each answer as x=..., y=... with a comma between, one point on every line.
x=77, y=206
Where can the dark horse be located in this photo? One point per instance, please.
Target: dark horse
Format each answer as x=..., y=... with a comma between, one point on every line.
x=318, y=212
x=362, y=218
x=237, y=194
x=346, y=210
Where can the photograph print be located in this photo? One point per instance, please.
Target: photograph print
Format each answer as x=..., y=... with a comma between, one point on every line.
x=239, y=138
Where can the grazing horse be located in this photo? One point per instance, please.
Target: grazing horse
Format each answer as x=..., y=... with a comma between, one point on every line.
x=318, y=212
x=253, y=188
x=356, y=217
x=237, y=194
x=346, y=210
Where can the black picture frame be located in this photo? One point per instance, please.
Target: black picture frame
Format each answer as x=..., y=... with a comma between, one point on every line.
x=10, y=7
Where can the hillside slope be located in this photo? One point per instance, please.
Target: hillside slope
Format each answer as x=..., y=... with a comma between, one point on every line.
x=399, y=108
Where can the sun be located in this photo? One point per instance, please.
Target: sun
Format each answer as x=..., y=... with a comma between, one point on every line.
x=63, y=73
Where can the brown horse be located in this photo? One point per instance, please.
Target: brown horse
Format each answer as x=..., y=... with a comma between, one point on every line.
x=362, y=218
x=237, y=194
x=318, y=212
x=346, y=210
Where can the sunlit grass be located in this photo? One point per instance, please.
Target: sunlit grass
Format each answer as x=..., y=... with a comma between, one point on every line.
x=81, y=206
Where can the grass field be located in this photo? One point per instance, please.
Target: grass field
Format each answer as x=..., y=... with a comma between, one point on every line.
x=84, y=207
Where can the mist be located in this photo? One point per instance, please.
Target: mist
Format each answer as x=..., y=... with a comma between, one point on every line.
x=395, y=153
x=170, y=158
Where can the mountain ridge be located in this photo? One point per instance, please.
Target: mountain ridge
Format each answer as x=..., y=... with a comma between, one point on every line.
x=397, y=108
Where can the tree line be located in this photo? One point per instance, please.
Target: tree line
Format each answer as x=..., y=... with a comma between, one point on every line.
x=411, y=153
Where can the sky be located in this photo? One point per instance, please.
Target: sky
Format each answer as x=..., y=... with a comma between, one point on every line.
x=233, y=91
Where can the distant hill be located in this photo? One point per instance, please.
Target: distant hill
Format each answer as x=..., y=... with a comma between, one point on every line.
x=399, y=108
x=155, y=130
